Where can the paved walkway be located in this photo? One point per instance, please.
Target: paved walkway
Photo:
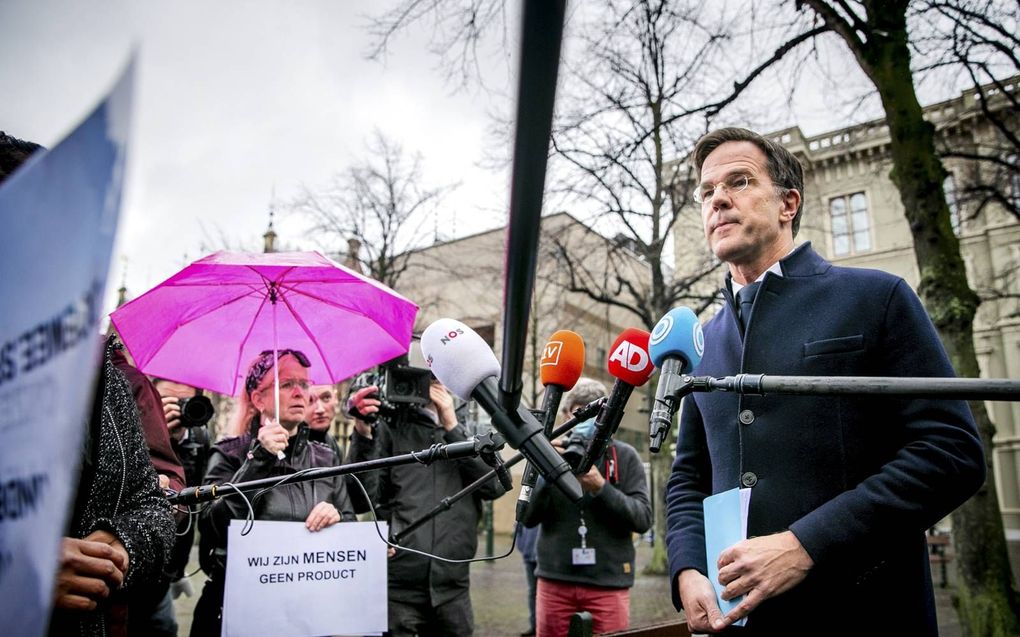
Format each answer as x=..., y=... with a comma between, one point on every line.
x=498, y=593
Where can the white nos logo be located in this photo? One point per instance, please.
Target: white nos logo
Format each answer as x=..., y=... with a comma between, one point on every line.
x=632, y=357
x=551, y=353
x=661, y=330
x=698, y=335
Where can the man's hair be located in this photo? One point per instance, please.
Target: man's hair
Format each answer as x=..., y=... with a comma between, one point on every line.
x=784, y=169
x=13, y=153
x=585, y=391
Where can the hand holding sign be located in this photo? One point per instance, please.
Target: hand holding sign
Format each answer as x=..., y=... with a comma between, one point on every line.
x=323, y=515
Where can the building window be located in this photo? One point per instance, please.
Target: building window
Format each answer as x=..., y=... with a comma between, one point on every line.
x=851, y=227
x=949, y=188
x=1014, y=180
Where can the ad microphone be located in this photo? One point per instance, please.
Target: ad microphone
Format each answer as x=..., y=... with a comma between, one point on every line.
x=462, y=361
x=676, y=347
x=631, y=366
x=561, y=366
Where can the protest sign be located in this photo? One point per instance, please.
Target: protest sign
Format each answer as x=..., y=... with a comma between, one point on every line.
x=282, y=579
x=59, y=212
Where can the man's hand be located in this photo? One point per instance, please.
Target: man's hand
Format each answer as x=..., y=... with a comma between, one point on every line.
x=760, y=568
x=443, y=401
x=89, y=570
x=272, y=436
x=323, y=514
x=592, y=481
x=698, y=597
x=172, y=411
x=363, y=402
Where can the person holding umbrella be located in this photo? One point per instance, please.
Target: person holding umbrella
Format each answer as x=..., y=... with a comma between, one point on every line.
x=275, y=444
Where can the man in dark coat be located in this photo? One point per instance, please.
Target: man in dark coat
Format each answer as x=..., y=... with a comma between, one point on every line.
x=842, y=488
x=426, y=596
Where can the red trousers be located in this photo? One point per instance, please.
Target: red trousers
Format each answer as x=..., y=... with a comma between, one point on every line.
x=557, y=601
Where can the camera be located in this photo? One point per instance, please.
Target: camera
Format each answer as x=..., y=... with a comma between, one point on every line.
x=196, y=411
x=400, y=386
x=574, y=446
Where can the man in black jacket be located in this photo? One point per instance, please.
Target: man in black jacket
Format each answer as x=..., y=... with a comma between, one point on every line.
x=425, y=596
x=319, y=503
x=586, y=550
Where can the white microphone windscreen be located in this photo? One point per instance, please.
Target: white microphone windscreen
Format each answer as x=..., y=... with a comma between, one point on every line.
x=458, y=356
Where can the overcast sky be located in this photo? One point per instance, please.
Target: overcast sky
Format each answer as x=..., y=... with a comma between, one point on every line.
x=234, y=99
x=238, y=100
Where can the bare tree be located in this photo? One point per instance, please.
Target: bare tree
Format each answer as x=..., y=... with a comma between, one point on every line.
x=978, y=39
x=380, y=202
x=878, y=36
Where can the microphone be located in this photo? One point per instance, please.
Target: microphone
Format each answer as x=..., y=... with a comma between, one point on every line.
x=462, y=361
x=561, y=366
x=676, y=347
x=631, y=365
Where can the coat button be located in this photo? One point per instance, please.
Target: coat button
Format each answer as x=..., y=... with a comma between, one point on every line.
x=748, y=479
x=746, y=417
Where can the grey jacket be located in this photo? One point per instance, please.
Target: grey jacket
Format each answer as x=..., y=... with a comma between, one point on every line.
x=611, y=516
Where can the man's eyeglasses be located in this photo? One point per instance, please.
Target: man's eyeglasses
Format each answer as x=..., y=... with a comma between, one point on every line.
x=732, y=184
x=264, y=364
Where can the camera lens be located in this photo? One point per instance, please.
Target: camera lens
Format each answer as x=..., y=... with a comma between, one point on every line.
x=196, y=411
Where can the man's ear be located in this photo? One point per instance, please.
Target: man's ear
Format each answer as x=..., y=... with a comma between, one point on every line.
x=791, y=202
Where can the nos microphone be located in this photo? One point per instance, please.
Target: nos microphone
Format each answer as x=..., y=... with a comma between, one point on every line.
x=631, y=366
x=462, y=361
x=676, y=346
x=561, y=366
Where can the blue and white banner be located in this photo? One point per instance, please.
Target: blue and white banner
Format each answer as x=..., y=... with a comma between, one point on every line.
x=59, y=215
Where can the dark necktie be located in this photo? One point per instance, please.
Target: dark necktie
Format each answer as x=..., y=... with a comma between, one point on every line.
x=745, y=299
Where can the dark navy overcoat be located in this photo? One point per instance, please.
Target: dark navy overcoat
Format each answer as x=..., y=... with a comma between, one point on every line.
x=858, y=480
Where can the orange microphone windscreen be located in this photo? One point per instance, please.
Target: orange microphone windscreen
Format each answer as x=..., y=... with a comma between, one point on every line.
x=562, y=359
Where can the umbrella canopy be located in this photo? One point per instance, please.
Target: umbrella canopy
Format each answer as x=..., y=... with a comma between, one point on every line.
x=205, y=324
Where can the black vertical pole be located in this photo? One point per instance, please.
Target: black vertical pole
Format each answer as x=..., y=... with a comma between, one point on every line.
x=542, y=32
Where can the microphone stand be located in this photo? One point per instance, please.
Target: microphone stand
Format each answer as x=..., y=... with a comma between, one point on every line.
x=481, y=445
x=582, y=414
x=1005, y=389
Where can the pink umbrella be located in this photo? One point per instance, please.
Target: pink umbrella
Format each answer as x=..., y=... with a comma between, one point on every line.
x=205, y=324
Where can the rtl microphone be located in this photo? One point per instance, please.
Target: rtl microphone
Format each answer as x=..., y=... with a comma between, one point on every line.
x=462, y=361
x=631, y=365
x=676, y=346
x=561, y=366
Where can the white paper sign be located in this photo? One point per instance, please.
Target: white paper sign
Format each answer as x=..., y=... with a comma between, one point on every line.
x=282, y=579
x=59, y=215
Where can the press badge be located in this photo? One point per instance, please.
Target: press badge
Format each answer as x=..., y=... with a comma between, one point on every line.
x=583, y=557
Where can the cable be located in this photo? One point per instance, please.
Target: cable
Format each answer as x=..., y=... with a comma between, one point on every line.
x=375, y=520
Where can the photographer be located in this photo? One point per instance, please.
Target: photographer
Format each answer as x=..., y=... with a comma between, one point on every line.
x=425, y=596
x=187, y=413
x=586, y=551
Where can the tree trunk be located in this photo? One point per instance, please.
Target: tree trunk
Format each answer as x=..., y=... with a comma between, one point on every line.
x=985, y=598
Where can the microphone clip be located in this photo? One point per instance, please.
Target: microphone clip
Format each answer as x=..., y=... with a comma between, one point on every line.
x=664, y=408
x=488, y=446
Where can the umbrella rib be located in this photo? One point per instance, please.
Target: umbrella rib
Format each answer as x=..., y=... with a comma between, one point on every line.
x=341, y=306
x=318, y=348
x=240, y=347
